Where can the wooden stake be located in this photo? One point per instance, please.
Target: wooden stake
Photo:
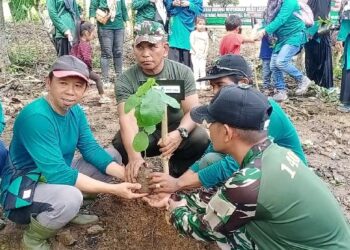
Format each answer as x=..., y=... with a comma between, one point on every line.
x=165, y=160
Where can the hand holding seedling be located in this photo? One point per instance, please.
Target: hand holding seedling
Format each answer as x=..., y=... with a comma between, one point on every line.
x=170, y=144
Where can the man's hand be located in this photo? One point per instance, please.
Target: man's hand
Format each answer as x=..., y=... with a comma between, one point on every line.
x=69, y=35
x=185, y=3
x=338, y=46
x=92, y=20
x=161, y=182
x=157, y=200
x=170, y=144
x=132, y=169
x=260, y=34
x=126, y=190
x=175, y=204
x=176, y=3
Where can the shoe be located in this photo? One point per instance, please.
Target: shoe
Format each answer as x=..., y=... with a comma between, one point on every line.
x=280, y=96
x=83, y=219
x=344, y=108
x=35, y=236
x=303, y=86
x=104, y=100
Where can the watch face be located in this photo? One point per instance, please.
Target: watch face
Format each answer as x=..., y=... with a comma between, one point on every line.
x=183, y=132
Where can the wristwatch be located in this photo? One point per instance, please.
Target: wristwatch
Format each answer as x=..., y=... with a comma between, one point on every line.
x=183, y=132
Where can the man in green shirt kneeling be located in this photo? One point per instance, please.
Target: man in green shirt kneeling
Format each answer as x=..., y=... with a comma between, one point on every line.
x=272, y=202
x=41, y=184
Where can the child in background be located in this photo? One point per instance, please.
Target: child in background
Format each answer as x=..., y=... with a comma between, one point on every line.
x=83, y=51
x=232, y=41
x=265, y=56
x=199, y=40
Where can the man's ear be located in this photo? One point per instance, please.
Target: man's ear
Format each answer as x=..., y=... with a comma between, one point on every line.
x=166, y=48
x=228, y=133
x=47, y=82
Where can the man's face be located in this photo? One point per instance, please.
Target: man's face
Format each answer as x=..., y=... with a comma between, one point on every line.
x=151, y=56
x=218, y=83
x=65, y=92
x=217, y=136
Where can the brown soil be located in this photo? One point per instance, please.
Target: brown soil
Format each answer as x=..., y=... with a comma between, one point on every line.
x=132, y=224
x=142, y=178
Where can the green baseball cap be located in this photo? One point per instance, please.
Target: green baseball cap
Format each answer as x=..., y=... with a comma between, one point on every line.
x=149, y=31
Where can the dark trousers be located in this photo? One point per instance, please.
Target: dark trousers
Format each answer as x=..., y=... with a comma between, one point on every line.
x=97, y=79
x=189, y=151
x=62, y=46
x=111, y=42
x=180, y=55
x=345, y=82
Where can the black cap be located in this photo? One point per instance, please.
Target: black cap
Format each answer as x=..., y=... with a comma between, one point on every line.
x=228, y=65
x=239, y=106
x=70, y=66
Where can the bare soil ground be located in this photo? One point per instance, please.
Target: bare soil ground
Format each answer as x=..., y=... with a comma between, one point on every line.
x=131, y=224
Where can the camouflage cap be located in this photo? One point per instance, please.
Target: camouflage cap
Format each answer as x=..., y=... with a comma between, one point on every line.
x=149, y=31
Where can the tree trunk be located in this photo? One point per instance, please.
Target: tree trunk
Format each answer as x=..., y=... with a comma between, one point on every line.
x=4, y=58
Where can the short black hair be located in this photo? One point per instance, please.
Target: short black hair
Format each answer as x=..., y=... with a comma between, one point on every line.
x=237, y=78
x=232, y=22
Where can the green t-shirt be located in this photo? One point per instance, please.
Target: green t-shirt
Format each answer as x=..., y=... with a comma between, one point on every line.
x=48, y=140
x=128, y=83
x=288, y=28
x=121, y=15
x=273, y=201
x=61, y=18
x=146, y=10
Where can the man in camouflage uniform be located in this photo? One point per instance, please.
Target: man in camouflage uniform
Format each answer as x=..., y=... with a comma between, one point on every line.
x=273, y=201
x=186, y=141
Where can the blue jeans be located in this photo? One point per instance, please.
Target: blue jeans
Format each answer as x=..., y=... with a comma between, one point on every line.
x=281, y=62
x=266, y=73
x=111, y=42
x=3, y=156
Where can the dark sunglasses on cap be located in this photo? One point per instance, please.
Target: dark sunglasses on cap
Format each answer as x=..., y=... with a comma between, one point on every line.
x=216, y=69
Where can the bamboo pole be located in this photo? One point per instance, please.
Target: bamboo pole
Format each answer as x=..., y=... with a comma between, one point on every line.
x=165, y=160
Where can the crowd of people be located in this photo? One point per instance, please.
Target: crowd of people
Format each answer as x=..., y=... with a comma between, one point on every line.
x=255, y=188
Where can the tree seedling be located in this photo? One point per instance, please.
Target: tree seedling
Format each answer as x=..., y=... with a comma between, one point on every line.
x=150, y=108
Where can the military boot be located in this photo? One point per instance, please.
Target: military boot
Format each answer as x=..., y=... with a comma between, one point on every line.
x=83, y=219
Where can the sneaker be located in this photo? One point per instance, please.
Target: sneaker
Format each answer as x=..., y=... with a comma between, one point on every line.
x=344, y=108
x=303, y=86
x=104, y=100
x=280, y=96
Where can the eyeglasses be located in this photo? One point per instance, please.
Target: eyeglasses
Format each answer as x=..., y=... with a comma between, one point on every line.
x=216, y=69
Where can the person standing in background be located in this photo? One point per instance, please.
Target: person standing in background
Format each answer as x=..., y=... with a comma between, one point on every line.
x=110, y=34
x=290, y=31
x=344, y=40
x=149, y=10
x=318, y=50
x=181, y=24
x=65, y=17
x=199, y=40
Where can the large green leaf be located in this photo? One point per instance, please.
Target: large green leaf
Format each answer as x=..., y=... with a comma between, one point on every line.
x=132, y=102
x=142, y=90
x=150, y=130
x=169, y=100
x=140, y=142
x=138, y=117
x=152, y=108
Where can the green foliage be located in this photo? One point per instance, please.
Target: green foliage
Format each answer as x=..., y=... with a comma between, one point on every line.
x=20, y=9
x=149, y=105
x=24, y=55
x=223, y=3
